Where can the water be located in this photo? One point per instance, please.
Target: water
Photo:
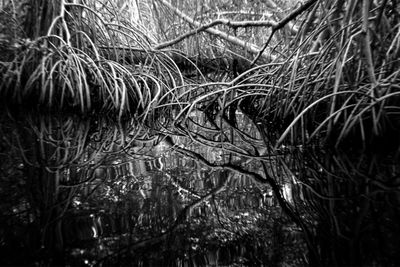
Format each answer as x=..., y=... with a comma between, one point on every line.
x=92, y=192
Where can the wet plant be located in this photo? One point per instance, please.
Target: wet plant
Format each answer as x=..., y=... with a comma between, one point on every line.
x=262, y=124
x=66, y=67
x=333, y=83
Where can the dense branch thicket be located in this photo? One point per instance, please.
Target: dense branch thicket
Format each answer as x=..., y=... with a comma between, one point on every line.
x=275, y=91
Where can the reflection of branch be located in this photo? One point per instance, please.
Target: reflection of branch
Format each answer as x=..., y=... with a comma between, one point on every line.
x=90, y=178
x=214, y=204
x=180, y=219
x=228, y=166
x=288, y=210
x=187, y=210
x=179, y=187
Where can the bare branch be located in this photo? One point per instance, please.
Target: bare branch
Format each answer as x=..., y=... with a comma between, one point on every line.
x=281, y=24
x=184, y=213
x=233, y=24
x=251, y=48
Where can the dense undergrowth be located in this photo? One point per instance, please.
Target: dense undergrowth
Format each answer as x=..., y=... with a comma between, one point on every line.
x=337, y=79
x=71, y=70
x=332, y=85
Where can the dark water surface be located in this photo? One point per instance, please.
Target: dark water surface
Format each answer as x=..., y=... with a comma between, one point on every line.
x=93, y=192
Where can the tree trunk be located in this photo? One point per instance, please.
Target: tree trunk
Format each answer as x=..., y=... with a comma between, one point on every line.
x=40, y=16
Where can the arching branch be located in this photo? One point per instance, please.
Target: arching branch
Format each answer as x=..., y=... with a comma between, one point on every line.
x=281, y=24
x=233, y=24
x=225, y=36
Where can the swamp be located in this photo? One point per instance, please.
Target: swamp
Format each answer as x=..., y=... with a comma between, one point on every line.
x=199, y=133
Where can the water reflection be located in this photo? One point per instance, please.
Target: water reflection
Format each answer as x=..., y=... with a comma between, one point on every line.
x=88, y=191
x=354, y=199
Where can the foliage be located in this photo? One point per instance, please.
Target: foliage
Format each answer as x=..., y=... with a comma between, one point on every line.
x=171, y=25
x=300, y=80
x=335, y=82
x=71, y=68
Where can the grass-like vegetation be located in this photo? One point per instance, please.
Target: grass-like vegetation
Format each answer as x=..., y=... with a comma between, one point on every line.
x=334, y=82
x=72, y=69
x=336, y=79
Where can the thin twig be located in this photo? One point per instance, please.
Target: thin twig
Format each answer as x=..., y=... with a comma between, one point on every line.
x=229, y=23
x=225, y=36
x=281, y=24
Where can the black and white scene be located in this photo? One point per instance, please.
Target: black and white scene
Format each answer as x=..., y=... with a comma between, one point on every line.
x=192, y=133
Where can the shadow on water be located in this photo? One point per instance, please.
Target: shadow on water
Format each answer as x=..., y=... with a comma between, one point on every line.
x=355, y=201
x=90, y=192
x=86, y=191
